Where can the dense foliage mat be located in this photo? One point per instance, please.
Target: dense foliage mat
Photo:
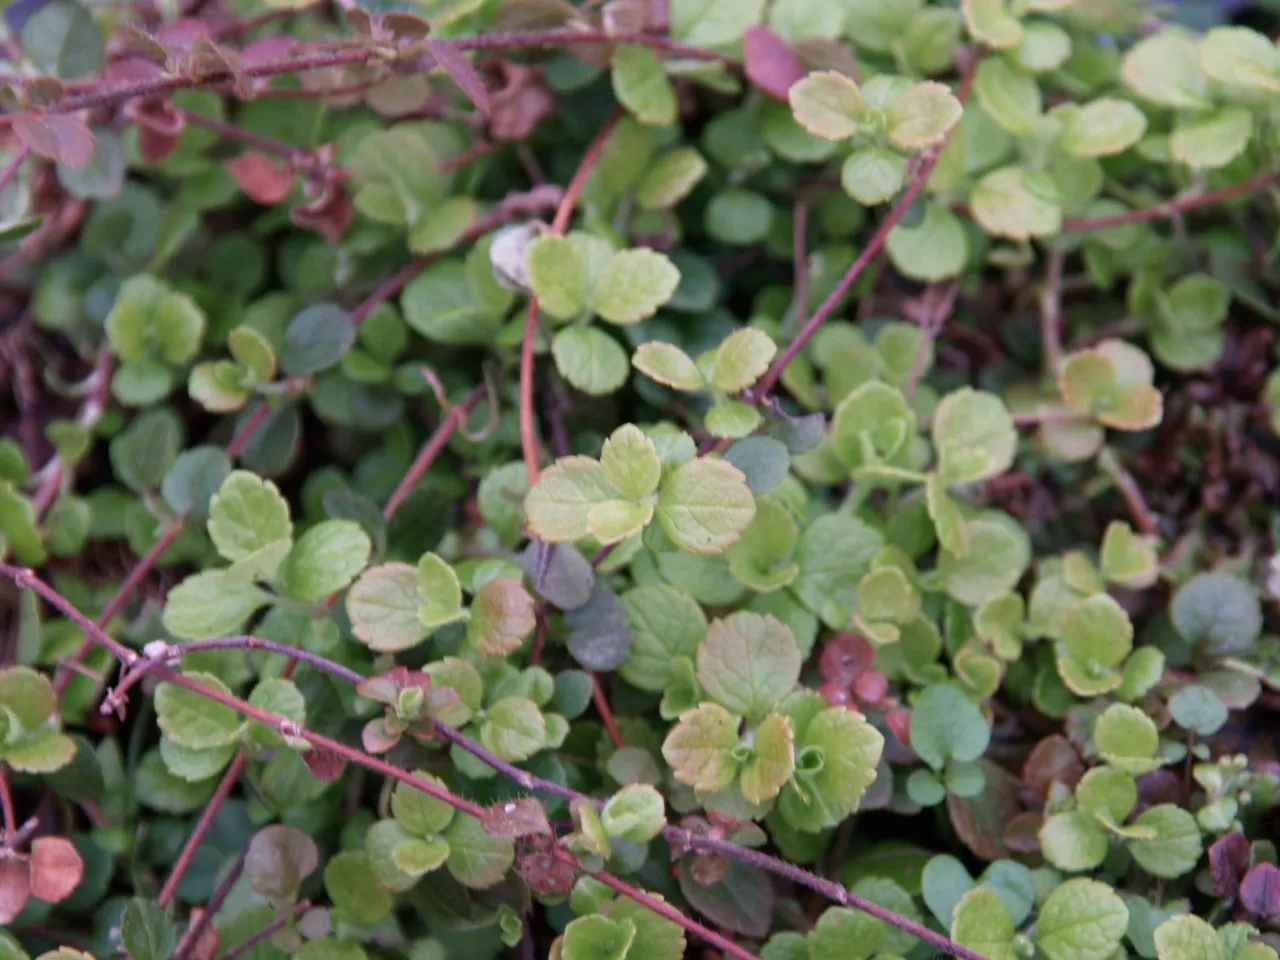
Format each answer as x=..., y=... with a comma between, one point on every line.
x=783, y=479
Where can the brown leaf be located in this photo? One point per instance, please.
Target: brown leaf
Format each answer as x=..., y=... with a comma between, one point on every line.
x=708, y=868
x=1228, y=861
x=56, y=868
x=519, y=102
x=535, y=15
x=15, y=887
x=1053, y=758
x=624, y=16
x=769, y=62
x=1022, y=833
x=325, y=765
x=980, y=820
x=464, y=74
x=821, y=53
x=159, y=125
x=521, y=817
x=206, y=948
x=404, y=27
x=264, y=180
x=62, y=137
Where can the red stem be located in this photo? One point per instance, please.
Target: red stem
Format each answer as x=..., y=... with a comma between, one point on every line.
x=249, y=943
x=6, y=804
x=202, y=826
x=452, y=420
x=664, y=909
x=1170, y=208
x=528, y=431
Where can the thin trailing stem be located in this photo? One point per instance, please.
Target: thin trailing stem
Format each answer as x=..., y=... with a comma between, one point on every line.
x=191, y=938
x=664, y=909
x=1171, y=208
x=90, y=413
x=6, y=806
x=1130, y=492
x=453, y=418
x=210, y=811
x=528, y=430
x=268, y=931
x=171, y=532
x=1051, y=312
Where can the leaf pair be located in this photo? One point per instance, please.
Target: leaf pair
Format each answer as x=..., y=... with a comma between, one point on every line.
x=225, y=385
x=1112, y=382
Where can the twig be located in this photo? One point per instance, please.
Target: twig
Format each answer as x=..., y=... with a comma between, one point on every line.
x=865, y=256
x=191, y=938
x=90, y=413
x=1051, y=312
x=1131, y=493
x=6, y=804
x=1171, y=208
x=605, y=711
x=664, y=909
x=453, y=418
x=528, y=431
x=244, y=946
x=939, y=305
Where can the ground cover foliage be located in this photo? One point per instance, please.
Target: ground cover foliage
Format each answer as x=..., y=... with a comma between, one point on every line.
x=782, y=479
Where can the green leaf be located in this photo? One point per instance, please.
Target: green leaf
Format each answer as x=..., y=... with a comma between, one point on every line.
x=419, y=812
x=1240, y=57
x=871, y=425
x=990, y=22
x=595, y=937
x=1175, y=849
x=559, y=502
x=62, y=39
x=849, y=749
x=477, y=859
x=442, y=227
x=194, y=478
x=1100, y=128
x=193, y=720
x=502, y=616
x=1081, y=920
x=1098, y=630
x=325, y=559
x=700, y=748
x=640, y=83
x=1044, y=47
x=667, y=364
x=712, y=23
x=772, y=760
x=246, y=514
x=1199, y=709
x=749, y=663
x=946, y=726
x=1009, y=96
x=1113, y=382
x=383, y=605
x=350, y=881
x=557, y=276
x=316, y=339
x=827, y=104
x=704, y=505
x=147, y=932
x=636, y=813
x=1218, y=612
x=1213, y=140
x=670, y=178
x=1187, y=937
x=590, y=359
x=974, y=435
x=872, y=175
x=1074, y=841
x=936, y=248
x=923, y=116
x=209, y=605
x=666, y=623
x=999, y=553
x=1164, y=69
x=439, y=593
x=630, y=462
x=741, y=359
x=761, y=558
x=43, y=752
x=842, y=932
x=981, y=923
x=1127, y=739
x=514, y=729
x=657, y=938
x=1017, y=203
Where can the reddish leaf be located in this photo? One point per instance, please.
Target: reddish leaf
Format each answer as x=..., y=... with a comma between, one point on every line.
x=769, y=62
x=266, y=181
x=325, y=765
x=56, y=868
x=181, y=35
x=1228, y=861
x=980, y=820
x=1022, y=833
x=328, y=215
x=62, y=137
x=15, y=887
x=546, y=873
x=159, y=125
x=871, y=687
x=462, y=71
x=520, y=817
x=845, y=657
x=1053, y=758
x=1260, y=891
x=130, y=70
x=519, y=102
x=266, y=49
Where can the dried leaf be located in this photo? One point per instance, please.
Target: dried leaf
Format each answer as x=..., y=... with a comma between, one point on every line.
x=56, y=868
x=266, y=181
x=516, y=818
